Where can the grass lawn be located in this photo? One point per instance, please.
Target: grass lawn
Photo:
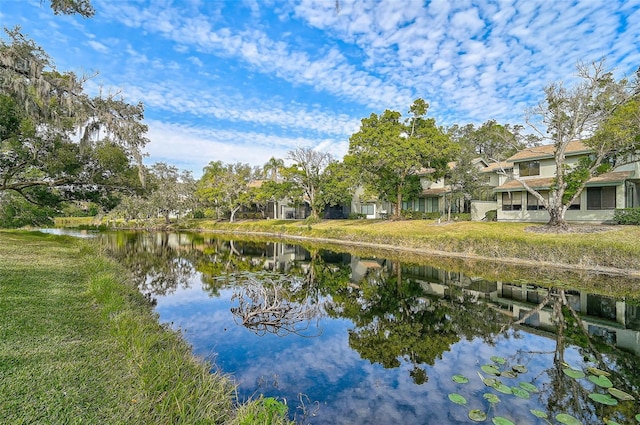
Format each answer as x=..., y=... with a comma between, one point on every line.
x=80, y=345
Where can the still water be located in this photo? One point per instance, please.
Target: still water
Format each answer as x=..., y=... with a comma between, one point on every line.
x=347, y=338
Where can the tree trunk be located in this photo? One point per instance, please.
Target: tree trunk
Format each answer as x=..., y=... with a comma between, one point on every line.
x=399, y=203
x=556, y=217
x=233, y=214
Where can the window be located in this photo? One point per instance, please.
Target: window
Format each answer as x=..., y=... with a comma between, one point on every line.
x=601, y=198
x=433, y=205
x=530, y=168
x=533, y=204
x=511, y=201
x=575, y=205
x=367, y=209
x=421, y=205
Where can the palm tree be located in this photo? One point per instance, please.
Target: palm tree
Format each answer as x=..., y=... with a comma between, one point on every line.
x=272, y=168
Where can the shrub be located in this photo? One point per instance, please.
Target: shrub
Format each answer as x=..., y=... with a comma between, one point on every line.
x=356, y=216
x=627, y=216
x=491, y=215
x=461, y=216
x=419, y=215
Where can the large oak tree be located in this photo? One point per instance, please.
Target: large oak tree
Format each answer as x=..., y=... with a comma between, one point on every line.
x=390, y=152
x=57, y=142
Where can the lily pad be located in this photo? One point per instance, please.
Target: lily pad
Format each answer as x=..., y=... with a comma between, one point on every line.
x=490, y=369
x=499, y=420
x=498, y=360
x=539, y=413
x=601, y=381
x=491, y=398
x=603, y=399
x=503, y=388
x=509, y=374
x=573, y=373
x=563, y=418
x=638, y=417
x=611, y=422
x=529, y=387
x=520, y=392
x=477, y=415
x=620, y=395
x=491, y=382
x=520, y=368
x=460, y=379
x=457, y=399
x=597, y=372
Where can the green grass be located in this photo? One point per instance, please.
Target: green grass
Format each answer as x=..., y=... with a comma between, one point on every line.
x=616, y=248
x=79, y=344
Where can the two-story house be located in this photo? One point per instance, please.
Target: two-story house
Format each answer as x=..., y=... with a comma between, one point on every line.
x=619, y=188
x=433, y=197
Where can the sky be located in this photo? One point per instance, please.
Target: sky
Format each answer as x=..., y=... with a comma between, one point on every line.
x=247, y=80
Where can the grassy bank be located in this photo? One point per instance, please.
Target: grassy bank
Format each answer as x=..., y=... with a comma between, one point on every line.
x=79, y=344
x=615, y=248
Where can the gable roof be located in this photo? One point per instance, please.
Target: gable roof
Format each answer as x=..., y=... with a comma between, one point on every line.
x=497, y=166
x=576, y=147
x=546, y=182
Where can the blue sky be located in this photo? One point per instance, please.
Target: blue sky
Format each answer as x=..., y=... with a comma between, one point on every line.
x=245, y=80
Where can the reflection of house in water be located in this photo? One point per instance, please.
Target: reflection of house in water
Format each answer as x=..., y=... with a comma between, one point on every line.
x=281, y=256
x=616, y=321
x=361, y=267
x=438, y=282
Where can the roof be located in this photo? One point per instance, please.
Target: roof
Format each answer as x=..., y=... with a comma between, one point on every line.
x=436, y=191
x=547, y=151
x=255, y=183
x=497, y=166
x=546, y=182
x=451, y=165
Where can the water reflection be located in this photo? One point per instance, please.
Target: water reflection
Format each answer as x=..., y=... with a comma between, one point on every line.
x=373, y=340
x=279, y=306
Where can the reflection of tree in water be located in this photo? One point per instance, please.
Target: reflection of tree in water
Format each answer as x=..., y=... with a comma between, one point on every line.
x=566, y=394
x=157, y=267
x=276, y=305
x=224, y=259
x=395, y=320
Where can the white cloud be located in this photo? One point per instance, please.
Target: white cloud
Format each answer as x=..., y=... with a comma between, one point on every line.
x=471, y=60
x=193, y=148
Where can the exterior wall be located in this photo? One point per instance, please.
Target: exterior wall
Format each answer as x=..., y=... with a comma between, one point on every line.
x=583, y=215
x=380, y=209
x=479, y=209
x=428, y=184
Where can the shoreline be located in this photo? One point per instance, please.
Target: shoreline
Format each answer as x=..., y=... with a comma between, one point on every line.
x=611, y=271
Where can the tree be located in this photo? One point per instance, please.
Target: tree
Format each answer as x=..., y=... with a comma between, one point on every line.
x=306, y=173
x=272, y=170
x=338, y=185
x=492, y=141
x=44, y=113
x=69, y=7
x=226, y=187
x=172, y=192
x=464, y=180
x=389, y=153
x=600, y=111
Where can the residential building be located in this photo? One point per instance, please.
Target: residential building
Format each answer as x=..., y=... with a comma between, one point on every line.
x=433, y=198
x=619, y=188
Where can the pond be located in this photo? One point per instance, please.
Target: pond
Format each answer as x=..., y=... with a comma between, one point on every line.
x=366, y=338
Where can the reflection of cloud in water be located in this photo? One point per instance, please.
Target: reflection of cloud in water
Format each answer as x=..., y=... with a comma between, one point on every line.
x=300, y=367
x=185, y=296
